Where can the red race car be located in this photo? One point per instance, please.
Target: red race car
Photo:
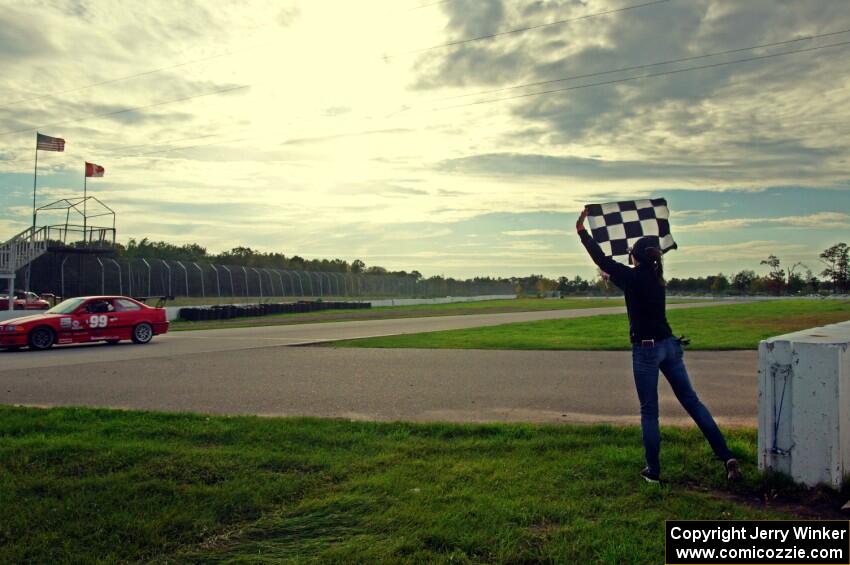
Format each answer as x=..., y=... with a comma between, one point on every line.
x=83, y=320
x=25, y=301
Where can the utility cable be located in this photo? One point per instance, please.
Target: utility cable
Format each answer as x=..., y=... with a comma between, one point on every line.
x=539, y=26
x=645, y=66
x=615, y=81
x=651, y=75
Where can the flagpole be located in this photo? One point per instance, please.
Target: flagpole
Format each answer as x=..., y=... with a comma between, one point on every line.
x=85, y=202
x=34, y=182
x=32, y=235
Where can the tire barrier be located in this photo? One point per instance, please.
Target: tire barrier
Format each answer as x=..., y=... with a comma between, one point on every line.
x=230, y=311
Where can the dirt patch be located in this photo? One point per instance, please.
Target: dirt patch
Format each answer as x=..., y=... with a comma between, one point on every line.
x=810, y=504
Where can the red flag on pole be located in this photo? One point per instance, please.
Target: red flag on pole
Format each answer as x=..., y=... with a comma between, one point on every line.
x=47, y=143
x=93, y=170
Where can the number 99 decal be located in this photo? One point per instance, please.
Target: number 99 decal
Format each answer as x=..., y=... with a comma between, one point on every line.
x=98, y=321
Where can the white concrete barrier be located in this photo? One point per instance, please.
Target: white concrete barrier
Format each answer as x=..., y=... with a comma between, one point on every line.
x=7, y=315
x=443, y=300
x=804, y=405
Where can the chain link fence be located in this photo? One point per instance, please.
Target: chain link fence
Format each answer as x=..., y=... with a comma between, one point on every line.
x=68, y=275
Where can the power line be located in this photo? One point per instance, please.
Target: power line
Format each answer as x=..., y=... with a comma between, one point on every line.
x=539, y=26
x=185, y=63
x=651, y=75
x=627, y=79
x=644, y=66
x=116, y=112
x=615, y=81
x=127, y=77
x=219, y=55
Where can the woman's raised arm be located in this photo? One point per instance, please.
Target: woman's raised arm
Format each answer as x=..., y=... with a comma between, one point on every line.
x=619, y=273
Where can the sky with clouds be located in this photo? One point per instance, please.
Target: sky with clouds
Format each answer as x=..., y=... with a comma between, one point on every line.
x=350, y=129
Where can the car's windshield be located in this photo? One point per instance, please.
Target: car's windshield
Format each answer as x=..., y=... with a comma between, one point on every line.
x=66, y=306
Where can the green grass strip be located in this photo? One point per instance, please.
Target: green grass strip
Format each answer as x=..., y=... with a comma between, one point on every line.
x=736, y=326
x=413, y=311
x=82, y=485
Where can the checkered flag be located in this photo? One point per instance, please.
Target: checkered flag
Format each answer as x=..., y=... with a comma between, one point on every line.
x=616, y=226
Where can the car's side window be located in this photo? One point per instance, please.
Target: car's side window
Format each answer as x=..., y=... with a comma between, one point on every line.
x=122, y=305
x=99, y=307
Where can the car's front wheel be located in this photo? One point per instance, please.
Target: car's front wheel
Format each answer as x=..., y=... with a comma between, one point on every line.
x=142, y=333
x=41, y=339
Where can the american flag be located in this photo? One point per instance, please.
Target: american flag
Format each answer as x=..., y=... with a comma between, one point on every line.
x=47, y=143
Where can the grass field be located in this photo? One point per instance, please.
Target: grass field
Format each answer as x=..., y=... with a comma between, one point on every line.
x=81, y=485
x=737, y=326
x=387, y=312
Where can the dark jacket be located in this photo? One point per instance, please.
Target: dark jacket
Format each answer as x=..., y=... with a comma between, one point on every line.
x=645, y=295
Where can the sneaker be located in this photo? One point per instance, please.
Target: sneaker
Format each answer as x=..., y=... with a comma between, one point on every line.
x=649, y=476
x=733, y=470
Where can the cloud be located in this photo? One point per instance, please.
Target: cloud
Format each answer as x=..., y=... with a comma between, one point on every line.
x=323, y=138
x=525, y=245
x=683, y=126
x=404, y=191
x=572, y=167
x=714, y=254
x=737, y=171
x=695, y=213
x=315, y=156
x=20, y=39
x=535, y=232
x=288, y=15
x=821, y=220
x=450, y=193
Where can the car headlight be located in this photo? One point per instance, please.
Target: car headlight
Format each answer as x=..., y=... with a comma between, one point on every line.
x=11, y=328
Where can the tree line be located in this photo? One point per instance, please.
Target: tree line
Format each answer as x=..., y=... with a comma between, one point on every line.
x=798, y=278
x=832, y=274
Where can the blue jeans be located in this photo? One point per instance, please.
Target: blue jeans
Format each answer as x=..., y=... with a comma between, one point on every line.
x=667, y=355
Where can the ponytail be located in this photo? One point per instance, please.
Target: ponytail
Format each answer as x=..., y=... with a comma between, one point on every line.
x=653, y=254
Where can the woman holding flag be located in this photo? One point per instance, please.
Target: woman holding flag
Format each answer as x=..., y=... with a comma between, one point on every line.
x=654, y=348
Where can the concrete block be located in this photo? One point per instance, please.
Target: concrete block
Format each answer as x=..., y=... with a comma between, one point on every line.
x=804, y=404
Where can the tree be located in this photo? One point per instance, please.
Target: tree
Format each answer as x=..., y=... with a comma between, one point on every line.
x=563, y=285
x=239, y=256
x=796, y=282
x=776, y=277
x=720, y=284
x=602, y=284
x=812, y=282
x=743, y=280
x=837, y=261
x=357, y=266
x=577, y=284
x=544, y=284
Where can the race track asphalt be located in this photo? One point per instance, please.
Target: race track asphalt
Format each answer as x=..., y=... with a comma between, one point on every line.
x=253, y=371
